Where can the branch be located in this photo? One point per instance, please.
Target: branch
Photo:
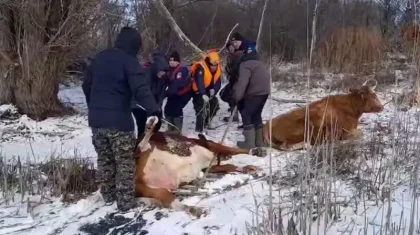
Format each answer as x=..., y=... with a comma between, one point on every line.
x=227, y=39
x=164, y=11
x=208, y=26
x=188, y=3
x=261, y=25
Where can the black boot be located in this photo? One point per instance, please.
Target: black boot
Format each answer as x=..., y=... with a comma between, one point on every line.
x=170, y=124
x=199, y=124
x=178, y=122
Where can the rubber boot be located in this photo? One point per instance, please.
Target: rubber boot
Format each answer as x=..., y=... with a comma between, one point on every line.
x=249, y=134
x=259, y=139
x=171, y=121
x=178, y=122
x=199, y=124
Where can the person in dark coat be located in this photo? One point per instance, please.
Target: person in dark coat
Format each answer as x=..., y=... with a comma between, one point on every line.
x=111, y=80
x=179, y=93
x=156, y=68
x=159, y=71
x=241, y=44
x=226, y=92
x=250, y=93
x=206, y=82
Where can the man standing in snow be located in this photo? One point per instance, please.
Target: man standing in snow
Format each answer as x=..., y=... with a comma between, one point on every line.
x=156, y=71
x=206, y=82
x=250, y=92
x=226, y=92
x=110, y=81
x=178, y=93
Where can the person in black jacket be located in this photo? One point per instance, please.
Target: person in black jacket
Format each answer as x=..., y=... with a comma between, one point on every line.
x=157, y=72
x=110, y=81
x=226, y=92
x=179, y=93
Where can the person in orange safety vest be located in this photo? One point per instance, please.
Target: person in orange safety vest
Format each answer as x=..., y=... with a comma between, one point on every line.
x=206, y=82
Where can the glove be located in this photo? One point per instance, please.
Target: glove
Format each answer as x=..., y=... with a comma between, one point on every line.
x=205, y=98
x=212, y=92
x=158, y=125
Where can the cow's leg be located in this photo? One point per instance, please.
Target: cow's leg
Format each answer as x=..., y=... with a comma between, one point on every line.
x=229, y=168
x=224, y=151
x=168, y=200
x=292, y=147
x=148, y=132
x=354, y=134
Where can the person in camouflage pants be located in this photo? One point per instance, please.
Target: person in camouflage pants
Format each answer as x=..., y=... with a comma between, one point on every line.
x=116, y=165
x=111, y=80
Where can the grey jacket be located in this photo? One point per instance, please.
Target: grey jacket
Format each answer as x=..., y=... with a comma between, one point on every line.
x=253, y=79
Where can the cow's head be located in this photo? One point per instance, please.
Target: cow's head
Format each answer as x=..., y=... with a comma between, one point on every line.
x=367, y=98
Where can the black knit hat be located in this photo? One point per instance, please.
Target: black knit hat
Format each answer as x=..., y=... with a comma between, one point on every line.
x=175, y=57
x=236, y=37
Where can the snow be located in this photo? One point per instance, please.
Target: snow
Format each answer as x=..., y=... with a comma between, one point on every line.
x=230, y=212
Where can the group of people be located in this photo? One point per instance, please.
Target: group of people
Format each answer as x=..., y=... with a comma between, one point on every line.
x=117, y=86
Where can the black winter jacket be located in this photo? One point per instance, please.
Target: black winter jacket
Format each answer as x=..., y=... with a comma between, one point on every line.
x=157, y=85
x=112, y=79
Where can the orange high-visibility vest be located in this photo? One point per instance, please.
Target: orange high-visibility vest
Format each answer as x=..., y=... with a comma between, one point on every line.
x=209, y=78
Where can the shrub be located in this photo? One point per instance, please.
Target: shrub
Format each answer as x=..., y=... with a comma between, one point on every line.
x=350, y=49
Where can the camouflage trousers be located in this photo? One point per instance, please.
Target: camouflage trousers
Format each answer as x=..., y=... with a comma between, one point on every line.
x=116, y=166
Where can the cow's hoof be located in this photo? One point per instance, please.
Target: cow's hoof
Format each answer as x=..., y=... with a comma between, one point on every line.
x=250, y=169
x=259, y=152
x=151, y=122
x=196, y=211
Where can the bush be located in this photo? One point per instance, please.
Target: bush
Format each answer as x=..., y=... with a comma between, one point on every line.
x=351, y=50
x=72, y=178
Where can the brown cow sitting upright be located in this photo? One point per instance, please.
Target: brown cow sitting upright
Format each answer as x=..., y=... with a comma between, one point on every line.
x=164, y=161
x=334, y=117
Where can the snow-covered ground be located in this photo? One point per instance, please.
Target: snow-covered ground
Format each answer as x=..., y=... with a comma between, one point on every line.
x=231, y=212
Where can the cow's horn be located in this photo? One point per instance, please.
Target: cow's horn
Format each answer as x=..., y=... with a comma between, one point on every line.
x=371, y=79
x=374, y=86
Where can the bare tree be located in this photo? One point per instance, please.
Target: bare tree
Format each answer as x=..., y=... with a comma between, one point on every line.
x=43, y=37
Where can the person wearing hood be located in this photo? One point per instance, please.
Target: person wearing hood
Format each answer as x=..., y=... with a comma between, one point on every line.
x=206, y=82
x=250, y=93
x=178, y=93
x=156, y=69
x=233, y=59
x=110, y=81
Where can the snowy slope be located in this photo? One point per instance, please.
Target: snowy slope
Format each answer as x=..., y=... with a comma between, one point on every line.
x=230, y=212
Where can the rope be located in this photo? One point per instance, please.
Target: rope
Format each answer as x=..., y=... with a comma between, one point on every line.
x=201, y=182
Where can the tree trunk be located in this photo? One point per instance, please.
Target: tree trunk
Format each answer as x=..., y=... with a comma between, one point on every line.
x=36, y=94
x=41, y=46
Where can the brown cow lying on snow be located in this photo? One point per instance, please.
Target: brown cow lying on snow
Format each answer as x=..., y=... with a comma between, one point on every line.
x=164, y=161
x=334, y=117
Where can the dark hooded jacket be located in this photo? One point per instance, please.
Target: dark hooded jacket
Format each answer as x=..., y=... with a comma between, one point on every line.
x=157, y=85
x=112, y=79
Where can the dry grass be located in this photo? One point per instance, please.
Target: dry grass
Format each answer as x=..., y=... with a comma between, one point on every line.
x=372, y=169
x=351, y=50
x=72, y=178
